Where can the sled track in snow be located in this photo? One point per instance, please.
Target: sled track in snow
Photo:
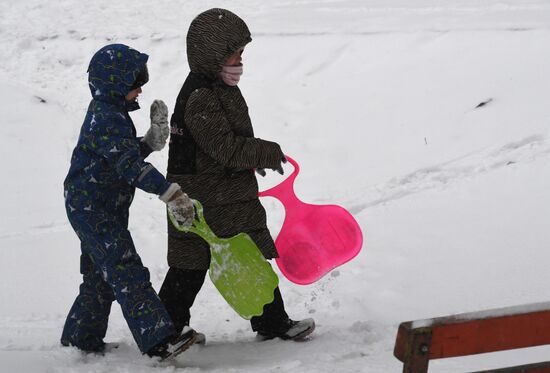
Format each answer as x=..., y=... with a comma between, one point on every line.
x=35, y=230
x=471, y=165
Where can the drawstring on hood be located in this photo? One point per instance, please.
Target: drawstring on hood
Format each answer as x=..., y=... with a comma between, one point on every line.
x=231, y=74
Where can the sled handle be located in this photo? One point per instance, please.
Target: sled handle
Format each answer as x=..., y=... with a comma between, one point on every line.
x=199, y=226
x=284, y=191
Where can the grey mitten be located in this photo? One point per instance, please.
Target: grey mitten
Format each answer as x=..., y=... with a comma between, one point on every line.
x=159, y=131
x=179, y=204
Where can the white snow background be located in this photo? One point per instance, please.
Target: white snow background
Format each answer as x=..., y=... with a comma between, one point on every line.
x=375, y=99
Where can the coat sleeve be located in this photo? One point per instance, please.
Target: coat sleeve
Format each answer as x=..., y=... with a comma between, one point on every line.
x=144, y=149
x=208, y=124
x=115, y=141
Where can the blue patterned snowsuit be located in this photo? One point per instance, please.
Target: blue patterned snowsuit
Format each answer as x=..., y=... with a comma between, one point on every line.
x=106, y=167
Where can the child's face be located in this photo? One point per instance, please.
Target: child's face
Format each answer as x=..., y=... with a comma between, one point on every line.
x=133, y=94
x=236, y=58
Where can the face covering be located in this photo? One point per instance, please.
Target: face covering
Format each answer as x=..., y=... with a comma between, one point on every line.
x=231, y=74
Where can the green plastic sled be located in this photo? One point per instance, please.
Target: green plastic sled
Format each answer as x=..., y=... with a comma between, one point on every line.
x=237, y=267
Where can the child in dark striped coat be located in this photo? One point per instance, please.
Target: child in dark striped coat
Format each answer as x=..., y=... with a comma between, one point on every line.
x=213, y=154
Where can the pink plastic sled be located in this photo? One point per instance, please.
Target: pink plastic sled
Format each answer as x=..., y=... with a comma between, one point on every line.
x=314, y=239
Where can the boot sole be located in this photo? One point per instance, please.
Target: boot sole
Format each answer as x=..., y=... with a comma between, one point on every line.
x=183, y=346
x=303, y=335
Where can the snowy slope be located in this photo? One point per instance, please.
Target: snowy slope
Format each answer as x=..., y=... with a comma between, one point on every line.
x=375, y=99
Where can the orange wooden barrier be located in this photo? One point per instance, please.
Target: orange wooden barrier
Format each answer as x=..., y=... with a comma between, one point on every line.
x=420, y=341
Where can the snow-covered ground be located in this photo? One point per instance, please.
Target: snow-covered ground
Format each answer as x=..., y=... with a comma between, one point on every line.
x=375, y=99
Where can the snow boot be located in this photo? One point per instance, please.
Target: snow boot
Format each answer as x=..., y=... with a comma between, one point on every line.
x=101, y=350
x=293, y=330
x=170, y=349
x=107, y=348
x=201, y=339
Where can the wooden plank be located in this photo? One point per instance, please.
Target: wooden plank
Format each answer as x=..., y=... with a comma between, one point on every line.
x=403, y=341
x=462, y=338
x=474, y=333
x=529, y=368
x=480, y=332
x=412, y=348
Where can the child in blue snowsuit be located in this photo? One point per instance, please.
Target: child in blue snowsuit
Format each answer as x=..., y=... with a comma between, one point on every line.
x=107, y=165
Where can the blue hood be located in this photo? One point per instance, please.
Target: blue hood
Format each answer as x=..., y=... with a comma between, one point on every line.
x=113, y=72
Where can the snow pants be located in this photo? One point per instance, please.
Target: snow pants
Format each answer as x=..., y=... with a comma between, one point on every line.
x=112, y=270
x=180, y=288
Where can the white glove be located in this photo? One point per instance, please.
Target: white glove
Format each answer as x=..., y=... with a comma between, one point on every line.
x=179, y=204
x=159, y=131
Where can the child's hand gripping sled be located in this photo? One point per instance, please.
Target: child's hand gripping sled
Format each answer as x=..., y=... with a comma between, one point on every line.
x=314, y=239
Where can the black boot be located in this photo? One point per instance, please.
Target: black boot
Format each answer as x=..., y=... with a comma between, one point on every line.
x=174, y=346
x=99, y=350
x=275, y=323
x=290, y=330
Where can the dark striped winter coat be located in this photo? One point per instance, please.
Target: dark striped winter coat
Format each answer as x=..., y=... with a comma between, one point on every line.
x=213, y=150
